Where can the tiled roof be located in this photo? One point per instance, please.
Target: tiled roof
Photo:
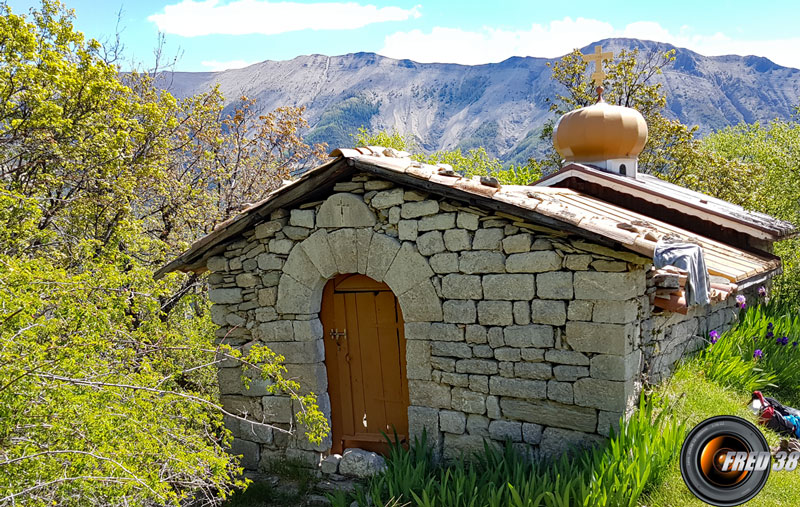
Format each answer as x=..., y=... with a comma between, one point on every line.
x=559, y=211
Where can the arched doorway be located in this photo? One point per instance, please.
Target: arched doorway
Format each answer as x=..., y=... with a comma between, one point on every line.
x=365, y=356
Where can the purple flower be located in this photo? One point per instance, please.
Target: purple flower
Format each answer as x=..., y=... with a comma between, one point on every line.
x=757, y=354
x=762, y=291
x=741, y=301
x=782, y=341
x=770, y=334
x=794, y=344
x=770, y=326
x=714, y=336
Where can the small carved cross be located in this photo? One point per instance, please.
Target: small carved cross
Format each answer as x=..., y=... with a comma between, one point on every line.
x=597, y=57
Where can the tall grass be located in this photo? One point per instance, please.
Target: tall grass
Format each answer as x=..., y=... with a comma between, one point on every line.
x=774, y=330
x=615, y=474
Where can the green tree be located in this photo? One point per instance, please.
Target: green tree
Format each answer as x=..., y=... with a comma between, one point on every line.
x=476, y=162
x=107, y=377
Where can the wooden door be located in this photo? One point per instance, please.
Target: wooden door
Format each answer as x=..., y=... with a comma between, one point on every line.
x=365, y=355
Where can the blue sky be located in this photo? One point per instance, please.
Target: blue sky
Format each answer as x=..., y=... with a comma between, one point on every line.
x=219, y=34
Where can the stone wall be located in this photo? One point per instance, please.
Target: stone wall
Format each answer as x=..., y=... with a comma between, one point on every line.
x=513, y=331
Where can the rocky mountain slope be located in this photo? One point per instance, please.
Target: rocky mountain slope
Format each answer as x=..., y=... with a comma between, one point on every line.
x=501, y=106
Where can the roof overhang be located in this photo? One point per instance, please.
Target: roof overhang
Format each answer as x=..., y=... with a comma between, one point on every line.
x=682, y=200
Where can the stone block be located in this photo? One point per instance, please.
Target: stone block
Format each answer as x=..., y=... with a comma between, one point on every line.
x=616, y=339
x=546, y=311
x=549, y=413
x=330, y=464
x=268, y=229
x=418, y=360
x=421, y=303
x=277, y=409
x=458, y=447
x=444, y=263
x=428, y=394
x=479, y=383
x=532, y=354
x=296, y=233
x=299, y=266
x=495, y=337
x=318, y=250
x=487, y=239
x=230, y=381
x=518, y=388
x=577, y=262
x=255, y=432
x=225, y=296
x=456, y=240
x=603, y=394
x=451, y=349
x=533, y=371
x=507, y=354
x=382, y=252
x=609, y=286
x=554, y=285
x=408, y=269
x=522, y=313
x=419, y=209
x=344, y=250
x=482, y=262
x=443, y=364
x=218, y=314
x=415, y=195
x=345, y=210
x=247, y=451
x=462, y=287
x=300, y=352
x=533, y=335
x=467, y=220
x=616, y=312
x=312, y=377
x=459, y=311
x=567, y=357
x=468, y=401
x=268, y=262
x=430, y=243
x=478, y=425
x=452, y=422
x=569, y=373
x=509, y=287
x=495, y=313
x=556, y=442
x=493, y=407
x=475, y=334
x=359, y=463
x=268, y=296
x=363, y=241
x=608, y=420
x=533, y=262
x=294, y=297
x=477, y=366
x=280, y=246
x=377, y=185
x=532, y=433
x=439, y=222
x=387, y=199
x=518, y=243
x=217, y=264
x=505, y=430
x=302, y=218
x=248, y=407
x=424, y=420
x=580, y=309
x=607, y=367
x=605, y=265
x=275, y=331
x=455, y=379
x=440, y=331
x=482, y=351
x=407, y=230
x=560, y=392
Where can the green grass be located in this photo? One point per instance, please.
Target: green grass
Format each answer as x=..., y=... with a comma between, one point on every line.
x=294, y=482
x=697, y=398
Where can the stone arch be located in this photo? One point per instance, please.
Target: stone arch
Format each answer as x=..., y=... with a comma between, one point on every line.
x=316, y=259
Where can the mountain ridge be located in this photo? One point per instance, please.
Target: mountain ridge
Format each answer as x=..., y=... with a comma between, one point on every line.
x=501, y=106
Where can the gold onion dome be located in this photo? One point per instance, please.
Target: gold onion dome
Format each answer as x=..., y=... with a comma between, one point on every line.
x=600, y=132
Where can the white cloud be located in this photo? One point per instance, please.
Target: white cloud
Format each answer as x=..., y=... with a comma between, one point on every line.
x=454, y=45
x=216, y=66
x=191, y=18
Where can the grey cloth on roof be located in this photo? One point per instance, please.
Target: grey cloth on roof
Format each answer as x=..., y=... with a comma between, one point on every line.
x=689, y=257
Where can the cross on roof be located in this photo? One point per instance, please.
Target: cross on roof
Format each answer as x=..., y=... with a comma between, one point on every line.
x=597, y=57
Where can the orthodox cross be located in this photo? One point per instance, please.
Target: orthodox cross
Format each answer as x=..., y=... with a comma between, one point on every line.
x=597, y=57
